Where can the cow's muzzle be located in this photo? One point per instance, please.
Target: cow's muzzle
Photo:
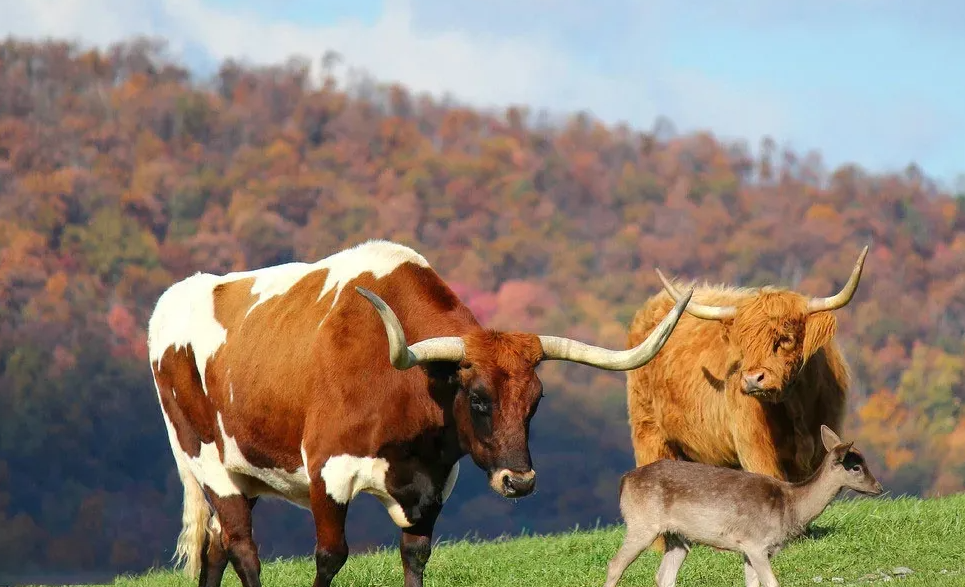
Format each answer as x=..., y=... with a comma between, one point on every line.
x=513, y=483
x=755, y=385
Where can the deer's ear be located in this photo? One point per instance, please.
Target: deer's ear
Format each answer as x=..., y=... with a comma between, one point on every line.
x=829, y=438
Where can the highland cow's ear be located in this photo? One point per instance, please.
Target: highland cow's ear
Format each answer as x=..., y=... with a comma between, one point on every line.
x=818, y=331
x=724, y=336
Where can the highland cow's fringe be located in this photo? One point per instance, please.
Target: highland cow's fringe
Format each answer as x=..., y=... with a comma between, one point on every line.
x=194, y=524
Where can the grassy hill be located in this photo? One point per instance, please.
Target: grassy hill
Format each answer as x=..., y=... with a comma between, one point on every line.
x=855, y=542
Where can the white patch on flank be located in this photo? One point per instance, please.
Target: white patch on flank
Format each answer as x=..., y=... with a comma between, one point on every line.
x=185, y=315
x=294, y=486
x=211, y=472
x=231, y=392
x=345, y=476
x=206, y=467
x=450, y=482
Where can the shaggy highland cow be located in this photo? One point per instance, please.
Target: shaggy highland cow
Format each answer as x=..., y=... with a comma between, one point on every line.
x=746, y=381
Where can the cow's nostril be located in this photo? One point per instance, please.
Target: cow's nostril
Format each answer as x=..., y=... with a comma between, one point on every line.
x=760, y=377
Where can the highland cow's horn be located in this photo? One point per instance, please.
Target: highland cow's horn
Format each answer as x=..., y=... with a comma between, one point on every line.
x=695, y=309
x=403, y=356
x=841, y=299
x=567, y=349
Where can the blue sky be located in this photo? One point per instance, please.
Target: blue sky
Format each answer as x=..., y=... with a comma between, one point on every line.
x=880, y=83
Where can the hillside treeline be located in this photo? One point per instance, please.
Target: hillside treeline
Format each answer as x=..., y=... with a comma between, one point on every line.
x=121, y=173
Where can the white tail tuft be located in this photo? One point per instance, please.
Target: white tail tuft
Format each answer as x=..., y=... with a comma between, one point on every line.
x=194, y=524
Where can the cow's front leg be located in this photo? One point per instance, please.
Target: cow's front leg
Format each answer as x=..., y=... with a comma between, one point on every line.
x=331, y=549
x=421, y=497
x=803, y=439
x=753, y=440
x=416, y=547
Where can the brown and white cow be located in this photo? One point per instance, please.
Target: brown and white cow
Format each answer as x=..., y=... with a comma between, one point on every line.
x=285, y=382
x=747, y=380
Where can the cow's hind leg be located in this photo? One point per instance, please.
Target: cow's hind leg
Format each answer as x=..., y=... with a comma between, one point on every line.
x=237, y=543
x=331, y=548
x=214, y=557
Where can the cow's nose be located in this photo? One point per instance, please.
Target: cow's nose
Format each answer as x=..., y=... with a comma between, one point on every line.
x=753, y=381
x=515, y=484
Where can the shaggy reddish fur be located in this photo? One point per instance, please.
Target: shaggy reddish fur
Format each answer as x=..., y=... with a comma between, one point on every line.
x=688, y=401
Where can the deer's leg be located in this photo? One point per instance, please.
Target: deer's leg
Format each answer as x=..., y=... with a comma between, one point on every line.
x=649, y=444
x=635, y=541
x=750, y=575
x=673, y=559
x=762, y=566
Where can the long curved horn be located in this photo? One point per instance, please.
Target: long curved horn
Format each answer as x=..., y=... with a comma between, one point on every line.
x=567, y=349
x=695, y=309
x=844, y=296
x=402, y=356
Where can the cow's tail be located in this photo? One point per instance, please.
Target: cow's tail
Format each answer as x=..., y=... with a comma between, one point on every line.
x=194, y=523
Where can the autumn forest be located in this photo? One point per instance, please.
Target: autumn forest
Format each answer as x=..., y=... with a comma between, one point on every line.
x=122, y=172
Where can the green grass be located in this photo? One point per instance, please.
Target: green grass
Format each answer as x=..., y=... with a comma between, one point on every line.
x=852, y=539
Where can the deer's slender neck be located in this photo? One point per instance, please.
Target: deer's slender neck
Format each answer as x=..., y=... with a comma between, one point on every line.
x=809, y=498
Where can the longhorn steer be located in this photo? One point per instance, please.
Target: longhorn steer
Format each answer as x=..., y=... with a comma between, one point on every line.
x=747, y=380
x=284, y=381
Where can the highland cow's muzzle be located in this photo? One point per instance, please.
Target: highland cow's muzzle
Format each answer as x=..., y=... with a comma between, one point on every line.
x=757, y=385
x=753, y=383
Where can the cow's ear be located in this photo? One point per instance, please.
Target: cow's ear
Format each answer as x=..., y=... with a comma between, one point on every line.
x=818, y=331
x=725, y=330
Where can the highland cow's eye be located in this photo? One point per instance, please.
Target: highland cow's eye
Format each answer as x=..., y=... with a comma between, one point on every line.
x=784, y=342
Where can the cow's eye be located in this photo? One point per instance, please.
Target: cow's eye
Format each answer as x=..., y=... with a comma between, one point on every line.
x=479, y=403
x=784, y=342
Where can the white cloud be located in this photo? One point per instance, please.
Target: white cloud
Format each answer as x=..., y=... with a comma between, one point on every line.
x=480, y=68
x=96, y=21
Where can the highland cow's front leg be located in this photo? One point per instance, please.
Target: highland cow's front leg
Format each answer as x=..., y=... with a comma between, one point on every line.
x=803, y=439
x=754, y=442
